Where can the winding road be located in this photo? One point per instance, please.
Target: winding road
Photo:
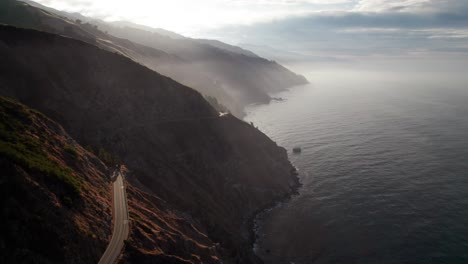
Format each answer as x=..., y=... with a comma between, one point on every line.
x=121, y=228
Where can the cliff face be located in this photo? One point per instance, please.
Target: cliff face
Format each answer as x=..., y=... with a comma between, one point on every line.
x=55, y=196
x=234, y=76
x=243, y=75
x=217, y=170
x=56, y=202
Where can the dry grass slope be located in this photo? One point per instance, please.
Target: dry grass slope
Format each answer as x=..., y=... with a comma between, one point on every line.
x=55, y=198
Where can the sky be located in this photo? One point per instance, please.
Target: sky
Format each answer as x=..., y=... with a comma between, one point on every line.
x=192, y=17
x=289, y=30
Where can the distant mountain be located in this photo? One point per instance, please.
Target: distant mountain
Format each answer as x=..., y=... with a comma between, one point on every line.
x=197, y=179
x=244, y=76
x=232, y=75
x=227, y=47
x=159, y=31
x=289, y=57
x=21, y=14
x=276, y=54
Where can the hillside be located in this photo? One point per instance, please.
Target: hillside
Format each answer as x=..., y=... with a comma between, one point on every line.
x=241, y=74
x=234, y=76
x=218, y=171
x=160, y=234
x=55, y=195
x=54, y=188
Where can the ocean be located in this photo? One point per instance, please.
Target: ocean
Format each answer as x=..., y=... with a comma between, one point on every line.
x=384, y=168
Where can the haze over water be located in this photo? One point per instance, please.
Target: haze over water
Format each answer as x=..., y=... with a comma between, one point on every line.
x=384, y=167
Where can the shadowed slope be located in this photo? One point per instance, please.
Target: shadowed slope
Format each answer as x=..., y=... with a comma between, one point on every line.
x=220, y=170
x=55, y=201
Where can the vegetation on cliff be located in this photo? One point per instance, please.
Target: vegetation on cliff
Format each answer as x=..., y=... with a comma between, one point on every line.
x=19, y=143
x=54, y=203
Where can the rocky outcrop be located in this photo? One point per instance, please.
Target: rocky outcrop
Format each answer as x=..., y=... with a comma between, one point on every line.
x=218, y=171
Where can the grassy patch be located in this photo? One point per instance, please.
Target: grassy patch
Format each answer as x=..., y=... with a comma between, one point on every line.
x=135, y=217
x=71, y=150
x=107, y=157
x=18, y=144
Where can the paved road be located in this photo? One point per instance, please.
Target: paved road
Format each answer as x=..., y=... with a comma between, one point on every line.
x=120, y=232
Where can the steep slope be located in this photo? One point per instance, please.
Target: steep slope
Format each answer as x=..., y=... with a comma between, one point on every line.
x=55, y=196
x=29, y=14
x=224, y=46
x=219, y=170
x=55, y=189
x=21, y=14
x=242, y=74
x=161, y=234
x=160, y=31
x=234, y=76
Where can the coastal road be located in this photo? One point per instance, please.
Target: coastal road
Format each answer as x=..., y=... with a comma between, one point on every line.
x=120, y=232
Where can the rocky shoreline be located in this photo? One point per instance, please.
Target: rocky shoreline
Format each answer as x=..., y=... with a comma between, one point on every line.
x=254, y=220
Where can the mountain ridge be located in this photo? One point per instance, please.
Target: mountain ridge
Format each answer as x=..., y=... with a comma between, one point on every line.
x=223, y=169
x=235, y=77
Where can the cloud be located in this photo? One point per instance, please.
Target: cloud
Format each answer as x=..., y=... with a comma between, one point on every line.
x=188, y=16
x=384, y=20
x=413, y=6
x=423, y=32
x=391, y=5
x=288, y=2
x=191, y=16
